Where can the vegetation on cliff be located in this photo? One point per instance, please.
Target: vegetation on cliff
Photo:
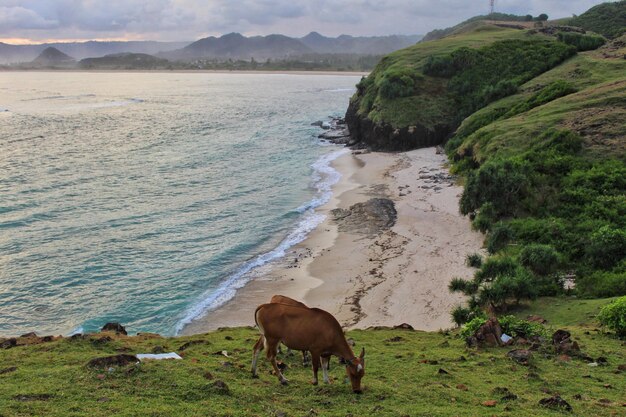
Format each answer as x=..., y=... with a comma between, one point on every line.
x=407, y=373
x=536, y=121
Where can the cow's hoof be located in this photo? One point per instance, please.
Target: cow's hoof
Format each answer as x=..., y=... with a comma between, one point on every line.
x=284, y=382
x=255, y=376
x=313, y=382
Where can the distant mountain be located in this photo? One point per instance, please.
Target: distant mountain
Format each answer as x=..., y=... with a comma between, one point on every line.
x=237, y=46
x=124, y=61
x=231, y=46
x=373, y=45
x=81, y=50
x=52, y=56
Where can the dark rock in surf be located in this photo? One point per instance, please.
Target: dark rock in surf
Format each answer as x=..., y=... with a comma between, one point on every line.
x=114, y=327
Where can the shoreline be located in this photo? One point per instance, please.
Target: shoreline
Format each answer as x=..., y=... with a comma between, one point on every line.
x=193, y=71
x=397, y=276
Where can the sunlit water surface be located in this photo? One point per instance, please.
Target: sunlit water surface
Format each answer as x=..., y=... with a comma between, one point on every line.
x=147, y=198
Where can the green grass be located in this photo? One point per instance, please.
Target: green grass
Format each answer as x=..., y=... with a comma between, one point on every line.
x=565, y=311
x=402, y=376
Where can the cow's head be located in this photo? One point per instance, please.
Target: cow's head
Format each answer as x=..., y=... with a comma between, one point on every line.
x=355, y=369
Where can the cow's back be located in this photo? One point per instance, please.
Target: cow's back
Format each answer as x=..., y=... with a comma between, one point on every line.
x=299, y=328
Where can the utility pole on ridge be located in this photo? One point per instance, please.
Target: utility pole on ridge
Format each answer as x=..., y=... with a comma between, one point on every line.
x=492, y=6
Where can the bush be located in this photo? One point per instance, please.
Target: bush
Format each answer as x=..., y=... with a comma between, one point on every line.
x=461, y=315
x=580, y=41
x=601, y=284
x=495, y=267
x=474, y=260
x=540, y=259
x=501, y=182
x=462, y=285
x=499, y=237
x=613, y=316
x=516, y=327
x=607, y=246
x=472, y=326
x=398, y=83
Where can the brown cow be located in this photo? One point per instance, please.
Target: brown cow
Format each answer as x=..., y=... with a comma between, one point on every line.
x=284, y=300
x=311, y=329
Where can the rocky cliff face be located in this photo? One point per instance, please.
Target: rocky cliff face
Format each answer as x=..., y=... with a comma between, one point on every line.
x=384, y=137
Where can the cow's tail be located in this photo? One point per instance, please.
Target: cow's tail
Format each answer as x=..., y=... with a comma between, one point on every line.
x=256, y=318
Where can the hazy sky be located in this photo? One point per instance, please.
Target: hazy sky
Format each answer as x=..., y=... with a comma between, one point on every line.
x=45, y=20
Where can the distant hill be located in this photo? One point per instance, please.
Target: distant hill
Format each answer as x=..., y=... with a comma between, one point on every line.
x=80, y=50
x=237, y=46
x=124, y=61
x=607, y=19
x=374, y=45
x=52, y=56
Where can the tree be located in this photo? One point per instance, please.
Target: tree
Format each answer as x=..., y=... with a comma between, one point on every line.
x=528, y=18
x=542, y=17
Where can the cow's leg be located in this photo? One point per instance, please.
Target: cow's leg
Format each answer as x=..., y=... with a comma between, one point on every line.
x=258, y=347
x=271, y=345
x=305, y=358
x=315, y=358
x=325, y=361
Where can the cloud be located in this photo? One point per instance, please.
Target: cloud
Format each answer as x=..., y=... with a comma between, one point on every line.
x=191, y=19
x=17, y=17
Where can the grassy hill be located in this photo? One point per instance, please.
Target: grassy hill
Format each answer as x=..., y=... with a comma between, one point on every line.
x=405, y=103
x=407, y=373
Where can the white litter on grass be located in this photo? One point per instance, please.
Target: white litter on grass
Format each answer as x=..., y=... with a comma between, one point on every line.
x=505, y=338
x=171, y=355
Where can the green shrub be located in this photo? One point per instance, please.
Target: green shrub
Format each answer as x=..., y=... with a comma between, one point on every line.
x=501, y=182
x=474, y=260
x=462, y=285
x=518, y=286
x=602, y=284
x=516, y=327
x=580, y=41
x=540, y=259
x=499, y=237
x=607, y=246
x=461, y=315
x=496, y=266
x=613, y=316
x=472, y=326
x=398, y=83
x=485, y=218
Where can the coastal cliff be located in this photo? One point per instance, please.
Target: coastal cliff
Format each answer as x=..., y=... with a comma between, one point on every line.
x=531, y=115
x=385, y=137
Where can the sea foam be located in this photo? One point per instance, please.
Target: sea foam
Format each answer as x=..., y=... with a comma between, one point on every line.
x=324, y=177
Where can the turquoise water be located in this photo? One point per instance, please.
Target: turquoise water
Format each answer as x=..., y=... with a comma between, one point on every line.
x=149, y=198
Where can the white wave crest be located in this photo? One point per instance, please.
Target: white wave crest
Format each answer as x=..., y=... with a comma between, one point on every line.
x=324, y=177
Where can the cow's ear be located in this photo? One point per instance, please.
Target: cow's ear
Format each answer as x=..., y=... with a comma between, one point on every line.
x=362, y=353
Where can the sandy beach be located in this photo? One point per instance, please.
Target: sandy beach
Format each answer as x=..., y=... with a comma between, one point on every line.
x=367, y=276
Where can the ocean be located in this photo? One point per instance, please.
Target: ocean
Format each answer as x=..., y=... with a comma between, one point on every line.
x=149, y=198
